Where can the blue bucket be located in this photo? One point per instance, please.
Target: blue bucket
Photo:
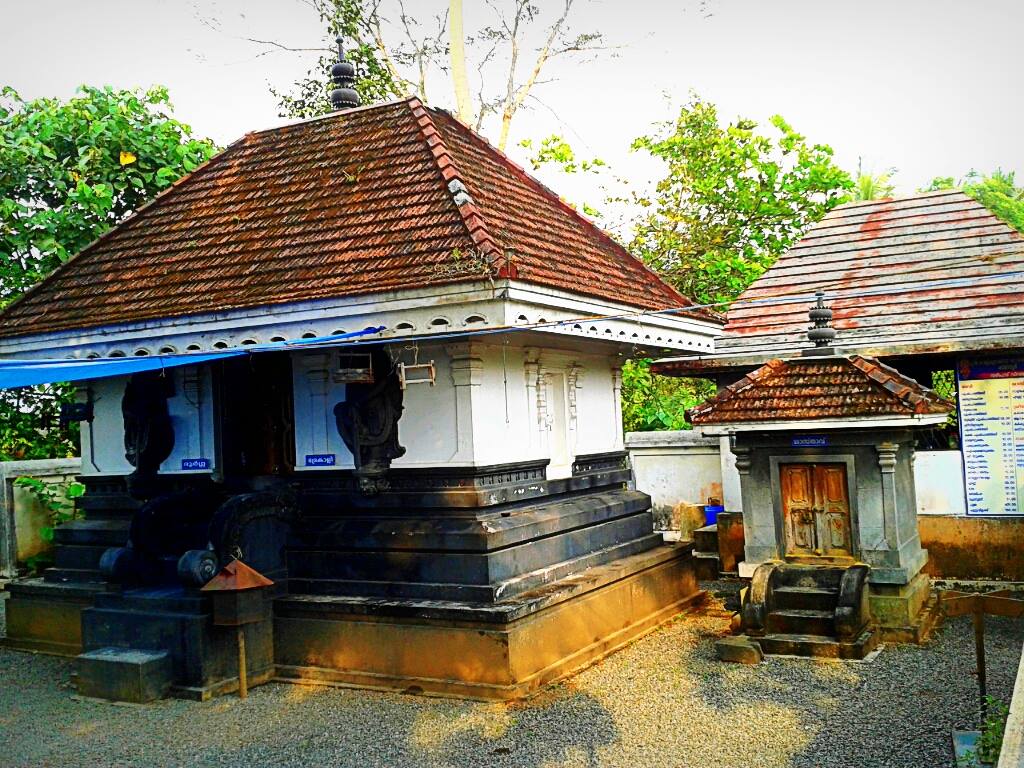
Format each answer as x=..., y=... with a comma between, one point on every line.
x=711, y=513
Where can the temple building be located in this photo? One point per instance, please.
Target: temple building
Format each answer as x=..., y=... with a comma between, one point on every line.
x=824, y=445
x=376, y=361
x=928, y=285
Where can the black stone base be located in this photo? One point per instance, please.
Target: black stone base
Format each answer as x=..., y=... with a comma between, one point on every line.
x=203, y=658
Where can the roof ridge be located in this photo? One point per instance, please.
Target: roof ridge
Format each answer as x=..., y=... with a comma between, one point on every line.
x=908, y=391
x=852, y=204
x=590, y=226
x=472, y=217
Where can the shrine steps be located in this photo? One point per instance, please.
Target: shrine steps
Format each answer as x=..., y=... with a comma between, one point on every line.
x=818, y=646
x=819, y=611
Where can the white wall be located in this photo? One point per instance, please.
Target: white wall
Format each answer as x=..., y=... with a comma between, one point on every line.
x=678, y=466
x=491, y=404
x=675, y=467
x=191, y=411
x=939, y=481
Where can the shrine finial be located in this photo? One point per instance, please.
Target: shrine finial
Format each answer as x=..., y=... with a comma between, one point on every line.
x=821, y=331
x=343, y=73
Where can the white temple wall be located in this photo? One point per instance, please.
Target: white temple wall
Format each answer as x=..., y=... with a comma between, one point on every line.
x=192, y=417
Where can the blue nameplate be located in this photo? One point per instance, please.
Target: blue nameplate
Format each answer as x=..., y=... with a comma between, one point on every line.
x=320, y=460
x=809, y=441
x=192, y=464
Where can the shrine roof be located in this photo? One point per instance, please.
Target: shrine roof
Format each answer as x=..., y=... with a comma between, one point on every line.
x=382, y=198
x=933, y=273
x=819, y=388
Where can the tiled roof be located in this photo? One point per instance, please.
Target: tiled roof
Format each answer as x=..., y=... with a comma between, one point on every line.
x=359, y=202
x=892, y=249
x=818, y=388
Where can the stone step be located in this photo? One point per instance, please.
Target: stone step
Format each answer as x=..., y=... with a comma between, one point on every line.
x=808, y=598
x=464, y=567
x=73, y=576
x=706, y=539
x=813, y=576
x=707, y=565
x=79, y=556
x=484, y=593
x=797, y=621
x=124, y=674
x=107, y=533
x=784, y=644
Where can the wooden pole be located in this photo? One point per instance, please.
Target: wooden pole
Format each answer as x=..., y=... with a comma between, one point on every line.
x=243, y=689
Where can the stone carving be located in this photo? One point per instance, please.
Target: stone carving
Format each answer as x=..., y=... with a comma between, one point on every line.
x=255, y=527
x=367, y=421
x=161, y=530
x=148, y=432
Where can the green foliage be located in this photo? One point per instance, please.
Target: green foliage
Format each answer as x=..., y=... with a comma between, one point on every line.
x=311, y=96
x=998, y=192
x=29, y=427
x=873, y=186
x=58, y=500
x=732, y=200
x=555, y=149
x=68, y=172
x=71, y=170
x=990, y=741
x=651, y=402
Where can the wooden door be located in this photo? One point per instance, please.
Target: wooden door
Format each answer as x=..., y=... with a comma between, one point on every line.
x=815, y=510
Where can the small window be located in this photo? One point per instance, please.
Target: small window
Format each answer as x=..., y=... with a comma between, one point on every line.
x=309, y=335
x=440, y=322
x=193, y=348
x=142, y=353
x=404, y=327
x=475, y=320
x=248, y=342
x=167, y=350
x=220, y=345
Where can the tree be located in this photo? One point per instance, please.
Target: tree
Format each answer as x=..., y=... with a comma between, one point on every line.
x=732, y=200
x=652, y=402
x=397, y=54
x=873, y=186
x=998, y=192
x=68, y=172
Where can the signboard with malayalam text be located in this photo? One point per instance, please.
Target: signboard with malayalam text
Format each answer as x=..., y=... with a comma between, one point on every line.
x=991, y=404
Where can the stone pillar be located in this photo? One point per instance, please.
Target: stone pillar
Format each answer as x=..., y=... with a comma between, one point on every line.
x=752, y=548
x=898, y=590
x=466, y=370
x=890, y=504
x=617, y=405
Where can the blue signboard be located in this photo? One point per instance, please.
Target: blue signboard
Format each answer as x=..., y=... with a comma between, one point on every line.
x=809, y=441
x=189, y=465
x=320, y=460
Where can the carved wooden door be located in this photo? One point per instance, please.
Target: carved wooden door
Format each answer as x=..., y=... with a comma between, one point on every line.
x=815, y=510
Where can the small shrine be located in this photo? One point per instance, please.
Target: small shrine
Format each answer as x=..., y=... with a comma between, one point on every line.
x=824, y=446
x=377, y=361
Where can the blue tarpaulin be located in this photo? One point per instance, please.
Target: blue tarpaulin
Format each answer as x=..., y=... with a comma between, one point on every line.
x=24, y=373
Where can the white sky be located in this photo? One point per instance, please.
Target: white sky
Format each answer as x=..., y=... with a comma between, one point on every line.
x=930, y=87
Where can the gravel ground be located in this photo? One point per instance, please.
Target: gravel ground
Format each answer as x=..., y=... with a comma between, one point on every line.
x=664, y=701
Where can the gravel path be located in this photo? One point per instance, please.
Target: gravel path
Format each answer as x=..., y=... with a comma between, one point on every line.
x=664, y=701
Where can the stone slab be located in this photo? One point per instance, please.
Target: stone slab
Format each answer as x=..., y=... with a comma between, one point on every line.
x=124, y=674
x=740, y=650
